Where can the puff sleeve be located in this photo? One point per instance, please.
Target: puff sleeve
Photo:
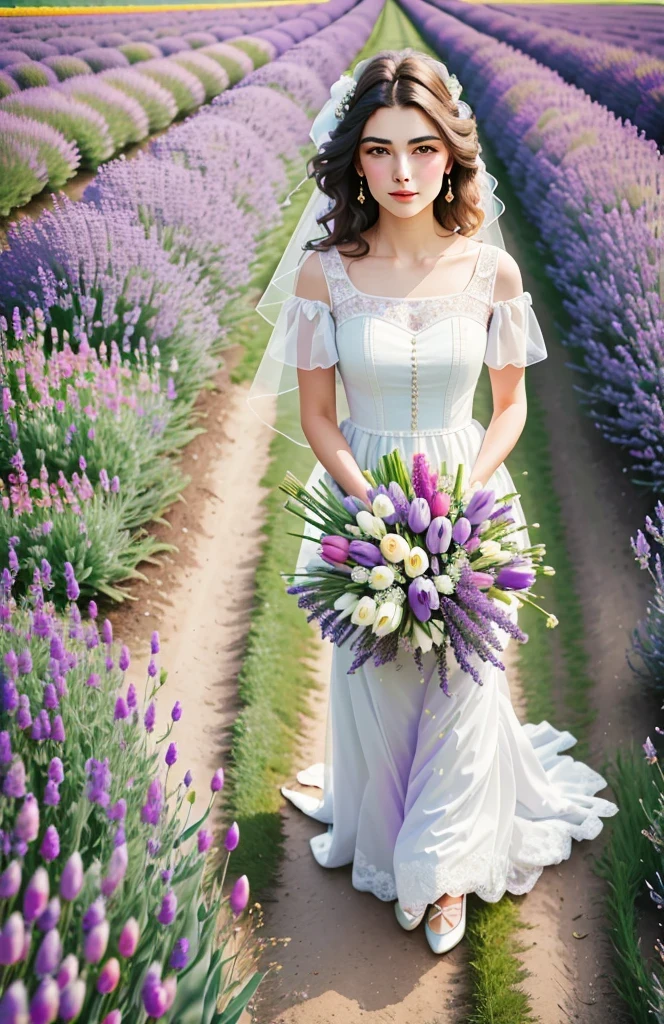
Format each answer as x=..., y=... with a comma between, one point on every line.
x=304, y=335
x=514, y=335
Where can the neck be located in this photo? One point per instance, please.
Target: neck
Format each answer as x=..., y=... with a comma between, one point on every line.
x=410, y=239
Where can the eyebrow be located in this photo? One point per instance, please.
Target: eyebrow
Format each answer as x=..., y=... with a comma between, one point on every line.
x=411, y=142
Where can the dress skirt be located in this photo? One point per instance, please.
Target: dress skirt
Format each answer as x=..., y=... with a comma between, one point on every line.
x=424, y=793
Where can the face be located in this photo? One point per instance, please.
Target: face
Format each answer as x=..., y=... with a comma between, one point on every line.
x=401, y=149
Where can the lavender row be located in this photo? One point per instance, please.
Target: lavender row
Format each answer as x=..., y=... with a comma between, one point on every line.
x=642, y=28
x=628, y=82
x=131, y=292
x=594, y=188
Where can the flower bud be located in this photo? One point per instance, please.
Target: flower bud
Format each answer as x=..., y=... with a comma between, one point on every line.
x=10, y=880
x=12, y=939
x=72, y=998
x=68, y=971
x=45, y=1003
x=128, y=940
x=232, y=836
x=26, y=826
x=109, y=976
x=36, y=895
x=14, y=1004
x=71, y=879
x=49, y=954
x=95, y=942
x=168, y=910
x=239, y=896
x=217, y=782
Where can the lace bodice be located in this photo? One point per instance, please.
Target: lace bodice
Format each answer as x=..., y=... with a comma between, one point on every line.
x=405, y=365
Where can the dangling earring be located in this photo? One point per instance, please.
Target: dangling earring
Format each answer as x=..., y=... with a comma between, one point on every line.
x=360, y=195
x=449, y=195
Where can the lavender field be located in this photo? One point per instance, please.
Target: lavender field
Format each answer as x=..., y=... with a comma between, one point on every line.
x=144, y=163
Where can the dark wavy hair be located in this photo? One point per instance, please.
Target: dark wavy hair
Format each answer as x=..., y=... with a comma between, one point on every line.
x=395, y=78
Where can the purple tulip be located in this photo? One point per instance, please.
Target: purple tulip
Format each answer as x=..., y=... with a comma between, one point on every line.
x=12, y=939
x=515, y=577
x=10, y=880
x=168, y=909
x=461, y=530
x=365, y=553
x=45, y=1002
x=49, y=919
x=480, y=506
x=335, y=548
x=27, y=823
x=232, y=836
x=94, y=915
x=419, y=515
x=239, y=896
x=72, y=998
x=36, y=895
x=49, y=954
x=423, y=598
x=473, y=543
x=109, y=976
x=14, y=1004
x=68, y=971
x=95, y=942
x=439, y=535
x=71, y=880
x=180, y=955
x=217, y=781
x=171, y=754
x=58, y=730
x=481, y=579
x=128, y=941
x=157, y=995
x=117, y=869
x=50, y=847
x=354, y=505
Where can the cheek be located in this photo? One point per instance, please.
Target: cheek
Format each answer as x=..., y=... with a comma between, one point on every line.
x=431, y=172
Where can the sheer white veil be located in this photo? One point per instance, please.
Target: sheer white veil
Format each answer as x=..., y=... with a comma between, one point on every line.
x=276, y=376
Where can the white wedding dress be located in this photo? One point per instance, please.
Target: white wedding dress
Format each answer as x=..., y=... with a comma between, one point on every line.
x=423, y=793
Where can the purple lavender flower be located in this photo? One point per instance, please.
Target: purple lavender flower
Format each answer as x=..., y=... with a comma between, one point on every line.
x=205, y=839
x=92, y=609
x=58, y=730
x=118, y=810
x=217, y=781
x=171, y=754
x=121, y=709
x=25, y=662
x=10, y=880
x=51, y=794
x=23, y=716
x=55, y=770
x=132, y=698
x=50, y=847
x=150, y=717
x=650, y=751
x=154, y=642
x=168, y=909
x=26, y=826
x=188, y=778
x=99, y=781
x=151, y=810
x=71, y=880
x=157, y=996
x=49, y=954
x=124, y=660
x=14, y=781
x=117, y=869
x=232, y=836
x=180, y=955
x=423, y=480
x=176, y=713
x=107, y=632
x=93, y=681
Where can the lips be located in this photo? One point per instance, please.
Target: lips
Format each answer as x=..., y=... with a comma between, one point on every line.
x=403, y=193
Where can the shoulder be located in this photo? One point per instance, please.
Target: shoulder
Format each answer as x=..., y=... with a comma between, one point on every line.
x=508, y=281
x=311, y=282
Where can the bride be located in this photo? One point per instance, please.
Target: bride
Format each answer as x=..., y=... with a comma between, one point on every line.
x=381, y=328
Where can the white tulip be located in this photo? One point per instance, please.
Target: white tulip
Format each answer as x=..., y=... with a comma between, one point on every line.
x=388, y=618
x=346, y=604
x=490, y=548
x=394, y=547
x=354, y=531
x=372, y=526
x=364, y=612
x=444, y=584
x=381, y=577
x=421, y=639
x=416, y=562
x=438, y=633
x=383, y=506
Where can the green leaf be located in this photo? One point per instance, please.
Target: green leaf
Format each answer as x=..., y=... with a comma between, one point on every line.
x=238, y=1004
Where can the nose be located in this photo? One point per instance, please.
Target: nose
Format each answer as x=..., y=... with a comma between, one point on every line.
x=402, y=172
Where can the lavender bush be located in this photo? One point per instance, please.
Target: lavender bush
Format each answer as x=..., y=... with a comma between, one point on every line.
x=29, y=74
x=186, y=88
x=104, y=914
x=126, y=119
x=66, y=66
x=212, y=76
x=76, y=121
x=648, y=636
x=157, y=102
x=23, y=173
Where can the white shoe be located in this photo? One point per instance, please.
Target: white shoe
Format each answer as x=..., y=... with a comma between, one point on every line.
x=454, y=916
x=406, y=920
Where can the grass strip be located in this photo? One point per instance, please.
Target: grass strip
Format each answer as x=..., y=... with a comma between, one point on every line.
x=495, y=969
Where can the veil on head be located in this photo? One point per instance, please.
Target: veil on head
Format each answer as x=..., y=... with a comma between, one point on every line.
x=276, y=377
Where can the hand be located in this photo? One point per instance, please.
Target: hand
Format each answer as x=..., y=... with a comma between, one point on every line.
x=475, y=485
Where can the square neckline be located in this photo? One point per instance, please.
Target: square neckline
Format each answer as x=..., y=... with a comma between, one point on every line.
x=409, y=298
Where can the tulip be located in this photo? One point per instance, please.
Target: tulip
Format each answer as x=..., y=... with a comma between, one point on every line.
x=490, y=548
x=365, y=553
x=128, y=941
x=239, y=896
x=36, y=895
x=461, y=530
x=346, y=604
x=72, y=998
x=394, y=547
x=383, y=506
x=335, y=547
x=388, y=618
x=480, y=506
x=205, y=839
x=217, y=781
x=354, y=505
x=421, y=638
x=419, y=515
x=515, y=577
x=50, y=847
x=157, y=995
x=371, y=525
x=171, y=754
x=10, y=880
x=71, y=880
x=440, y=504
x=381, y=577
x=439, y=535
x=95, y=942
x=416, y=563
x=117, y=869
x=26, y=826
x=109, y=976
x=114, y=1017
x=45, y=1003
x=68, y=971
x=94, y=915
x=481, y=579
x=14, y=1004
x=423, y=598
x=364, y=612
x=12, y=939
x=49, y=954
x=232, y=836
x=472, y=544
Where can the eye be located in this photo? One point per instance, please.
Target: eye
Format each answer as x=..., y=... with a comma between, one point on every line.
x=374, y=149
x=425, y=146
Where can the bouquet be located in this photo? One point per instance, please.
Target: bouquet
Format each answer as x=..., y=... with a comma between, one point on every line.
x=425, y=566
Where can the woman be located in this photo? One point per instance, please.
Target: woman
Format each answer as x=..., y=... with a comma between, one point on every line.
x=429, y=796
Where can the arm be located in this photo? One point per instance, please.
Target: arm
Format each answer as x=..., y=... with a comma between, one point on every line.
x=508, y=388
x=318, y=405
